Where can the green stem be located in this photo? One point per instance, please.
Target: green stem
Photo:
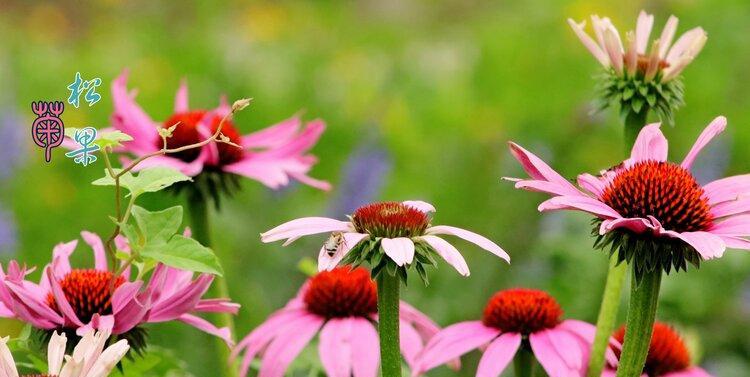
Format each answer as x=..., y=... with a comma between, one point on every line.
x=199, y=222
x=644, y=296
x=605, y=324
x=523, y=363
x=390, y=353
x=633, y=124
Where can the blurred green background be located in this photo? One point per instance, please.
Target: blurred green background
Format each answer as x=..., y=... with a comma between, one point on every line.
x=435, y=89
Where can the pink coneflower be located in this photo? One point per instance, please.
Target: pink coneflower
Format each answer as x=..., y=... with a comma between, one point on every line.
x=664, y=60
x=668, y=356
x=341, y=306
x=515, y=320
x=653, y=211
x=271, y=156
x=402, y=230
x=75, y=301
x=90, y=358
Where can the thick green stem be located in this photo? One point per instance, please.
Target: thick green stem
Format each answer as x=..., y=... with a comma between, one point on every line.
x=390, y=352
x=605, y=324
x=523, y=363
x=644, y=297
x=633, y=124
x=199, y=222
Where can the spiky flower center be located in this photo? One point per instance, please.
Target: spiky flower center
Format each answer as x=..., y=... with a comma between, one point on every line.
x=186, y=133
x=644, y=61
x=342, y=292
x=666, y=191
x=390, y=219
x=89, y=292
x=667, y=352
x=522, y=310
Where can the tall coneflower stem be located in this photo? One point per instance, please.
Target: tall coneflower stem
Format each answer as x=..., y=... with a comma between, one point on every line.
x=523, y=363
x=644, y=297
x=388, y=302
x=199, y=225
x=605, y=323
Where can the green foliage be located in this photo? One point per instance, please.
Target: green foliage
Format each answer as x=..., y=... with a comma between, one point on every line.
x=369, y=251
x=104, y=139
x=155, y=362
x=634, y=94
x=147, y=180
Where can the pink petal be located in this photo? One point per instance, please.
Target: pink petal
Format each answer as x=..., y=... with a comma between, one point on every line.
x=472, y=237
x=208, y=327
x=312, y=182
x=365, y=362
x=410, y=342
x=726, y=189
x=132, y=314
x=30, y=305
x=67, y=311
x=592, y=184
x=498, y=355
x=448, y=252
x=334, y=348
x=124, y=294
x=581, y=203
x=651, y=145
x=217, y=305
x=327, y=263
x=714, y=128
x=420, y=205
x=543, y=186
x=287, y=345
x=129, y=118
x=708, y=245
x=305, y=226
x=61, y=257
x=182, y=301
x=191, y=169
x=539, y=170
x=613, y=45
x=637, y=225
x=643, y=30
x=684, y=43
x=567, y=346
x=736, y=242
x=733, y=226
x=548, y=356
x=400, y=250
x=690, y=372
x=181, y=98
x=588, y=42
x=730, y=208
x=273, y=136
x=587, y=332
x=100, y=256
x=665, y=40
x=256, y=340
x=452, y=342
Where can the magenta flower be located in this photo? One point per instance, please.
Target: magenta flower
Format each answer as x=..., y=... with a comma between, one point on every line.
x=650, y=206
x=668, y=356
x=516, y=319
x=271, y=156
x=76, y=301
x=341, y=306
x=400, y=228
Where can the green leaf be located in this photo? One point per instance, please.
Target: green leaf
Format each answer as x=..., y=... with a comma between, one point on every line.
x=147, y=180
x=158, y=226
x=184, y=253
x=111, y=138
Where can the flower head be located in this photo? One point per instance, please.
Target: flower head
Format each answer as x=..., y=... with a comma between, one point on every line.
x=341, y=306
x=515, y=319
x=90, y=358
x=648, y=210
x=400, y=232
x=668, y=356
x=637, y=76
x=75, y=301
x=271, y=156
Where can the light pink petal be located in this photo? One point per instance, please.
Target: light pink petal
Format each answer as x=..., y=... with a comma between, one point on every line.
x=684, y=44
x=100, y=256
x=636, y=224
x=304, y=227
x=548, y=356
x=567, y=346
x=334, y=348
x=587, y=332
x=5, y=312
x=643, y=30
x=651, y=145
x=256, y=340
x=129, y=118
x=708, y=245
x=287, y=345
x=400, y=250
x=543, y=186
x=736, y=242
x=539, y=170
x=690, y=372
x=667, y=35
x=274, y=135
x=61, y=257
x=208, y=327
x=589, y=42
x=734, y=226
x=726, y=189
x=452, y=342
x=410, y=342
x=448, y=252
x=312, y=182
x=581, y=203
x=472, y=237
x=592, y=184
x=190, y=169
x=97, y=323
x=714, y=128
x=613, y=45
x=217, y=305
x=420, y=205
x=327, y=263
x=181, y=98
x=62, y=303
x=498, y=355
x=364, y=339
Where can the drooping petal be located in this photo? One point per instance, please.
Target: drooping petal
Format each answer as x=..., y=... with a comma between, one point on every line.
x=181, y=98
x=588, y=42
x=542, y=186
x=287, y=345
x=498, y=355
x=539, y=170
x=129, y=118
x=472, y=237
x=100, y=256
x=207, y=327
x=452, y=342
x=305, y=226
x=636, y=224
x=592, y=184
x=420, y=205
x=587, y=332
x=736, y=242
x=62, y=303
x=334, y=348
x=447, y=252
x=274, y=135
x=643, y=30
x=327, y=262
x=410, y=342
x=400, y=250
x=366, y=360
x=714, y=128
x=651, y=145
x=581, y=203
x=61, y=256
x=124, y=294
x=708, y=245
x=217, y=305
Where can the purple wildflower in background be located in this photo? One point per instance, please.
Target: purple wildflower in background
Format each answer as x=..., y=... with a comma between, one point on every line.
x=12, y=133
x=363, y=178
x=7, y=233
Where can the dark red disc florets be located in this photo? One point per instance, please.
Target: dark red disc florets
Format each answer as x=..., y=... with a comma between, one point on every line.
x=186, y=133
x=666, y=191
x=88, y=292
x=667, y=352
x=390, y=219
x=342, y=292
x=522, y=310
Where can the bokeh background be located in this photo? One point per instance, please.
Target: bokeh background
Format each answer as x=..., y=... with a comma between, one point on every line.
x=420, y=98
